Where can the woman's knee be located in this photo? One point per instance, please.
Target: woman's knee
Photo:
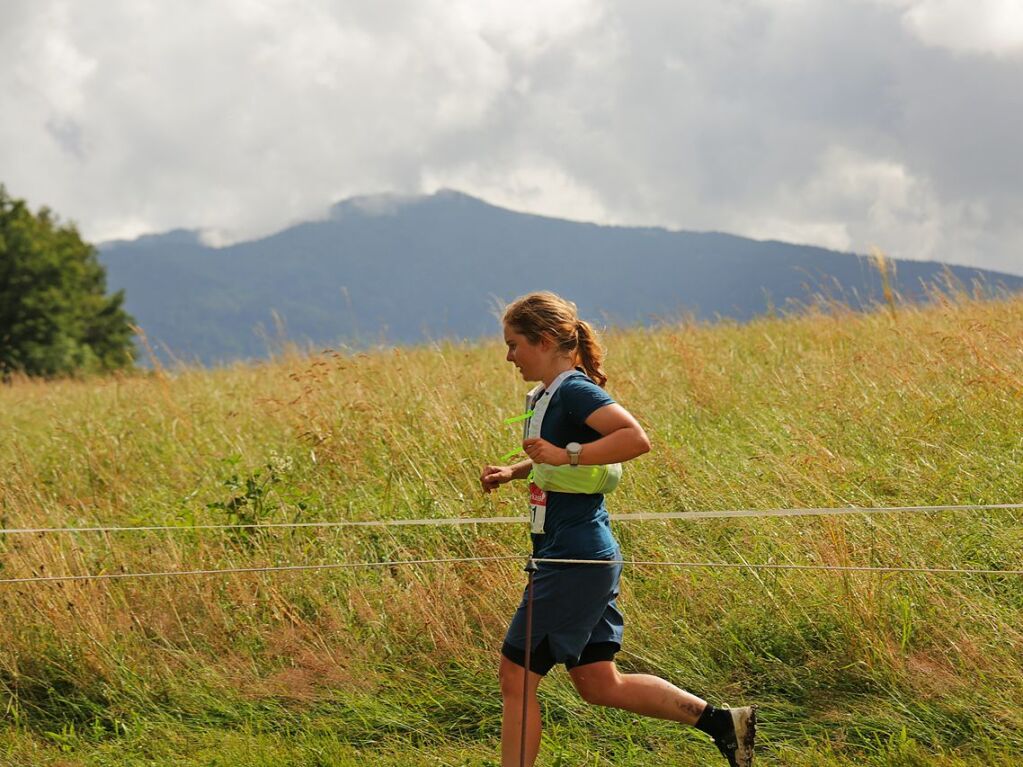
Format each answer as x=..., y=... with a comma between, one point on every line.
x=509, y=675
x=592, y=694
x=596, y=685
x=597, y=695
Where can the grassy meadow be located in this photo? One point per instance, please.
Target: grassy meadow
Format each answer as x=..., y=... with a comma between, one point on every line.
x=397, y=665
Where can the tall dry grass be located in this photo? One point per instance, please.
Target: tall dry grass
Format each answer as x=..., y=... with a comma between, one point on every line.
x=830, y=408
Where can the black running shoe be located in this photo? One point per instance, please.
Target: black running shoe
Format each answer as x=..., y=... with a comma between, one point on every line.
x=737, y=745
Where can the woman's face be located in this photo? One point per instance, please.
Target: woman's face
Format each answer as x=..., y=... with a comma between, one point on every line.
x=531, y=359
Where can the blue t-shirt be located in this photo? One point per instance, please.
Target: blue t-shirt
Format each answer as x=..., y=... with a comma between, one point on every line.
x=577, y=525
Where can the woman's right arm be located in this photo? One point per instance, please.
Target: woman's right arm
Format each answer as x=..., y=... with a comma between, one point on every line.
x=495, y=476
x=521, y=470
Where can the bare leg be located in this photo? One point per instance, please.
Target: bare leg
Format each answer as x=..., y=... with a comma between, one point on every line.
x=603, y=685
x=511, y=722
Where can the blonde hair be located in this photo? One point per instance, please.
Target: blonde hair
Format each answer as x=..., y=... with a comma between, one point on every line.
x=548, y=315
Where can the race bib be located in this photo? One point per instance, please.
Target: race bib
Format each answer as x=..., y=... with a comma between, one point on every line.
x=537, y=509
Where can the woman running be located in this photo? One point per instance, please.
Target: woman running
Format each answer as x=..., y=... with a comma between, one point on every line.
x=575, y=436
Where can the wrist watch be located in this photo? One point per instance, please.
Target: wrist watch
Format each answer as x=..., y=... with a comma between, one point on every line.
x=574, y=450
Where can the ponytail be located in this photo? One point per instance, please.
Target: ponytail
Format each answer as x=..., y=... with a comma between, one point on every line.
x=548, y=315
x=589, y=352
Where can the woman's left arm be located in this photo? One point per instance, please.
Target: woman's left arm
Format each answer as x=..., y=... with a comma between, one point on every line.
x=622, y=439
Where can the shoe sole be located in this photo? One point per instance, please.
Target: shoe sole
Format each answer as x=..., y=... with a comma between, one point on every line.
x=744, y=720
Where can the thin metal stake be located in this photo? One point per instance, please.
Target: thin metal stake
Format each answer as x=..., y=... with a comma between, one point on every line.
x=530, y=570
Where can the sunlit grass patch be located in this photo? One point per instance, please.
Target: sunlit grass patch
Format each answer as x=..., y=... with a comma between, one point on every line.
x=397, y=665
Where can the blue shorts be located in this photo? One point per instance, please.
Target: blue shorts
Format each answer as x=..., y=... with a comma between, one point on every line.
x=575, y=617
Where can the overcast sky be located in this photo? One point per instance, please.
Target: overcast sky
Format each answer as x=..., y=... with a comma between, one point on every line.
x=895, y=123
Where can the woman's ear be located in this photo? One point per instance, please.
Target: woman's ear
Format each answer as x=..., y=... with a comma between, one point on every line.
x=546, y=342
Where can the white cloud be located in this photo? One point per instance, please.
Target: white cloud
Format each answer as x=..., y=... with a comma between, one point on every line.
x=844, y=124
x=970, y=26
x=63, y=70
x=530, y=188
x=527, y=26
x=897, y=212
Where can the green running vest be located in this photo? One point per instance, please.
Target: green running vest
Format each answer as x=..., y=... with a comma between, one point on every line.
x=545, y=478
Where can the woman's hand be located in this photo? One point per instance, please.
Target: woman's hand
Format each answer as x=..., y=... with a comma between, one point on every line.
x=542, y=451
x=495, y=476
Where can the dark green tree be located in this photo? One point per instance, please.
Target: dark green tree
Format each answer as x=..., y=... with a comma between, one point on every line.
x=55, y=316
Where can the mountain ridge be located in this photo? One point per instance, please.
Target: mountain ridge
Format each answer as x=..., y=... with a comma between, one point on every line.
x=404, y=269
